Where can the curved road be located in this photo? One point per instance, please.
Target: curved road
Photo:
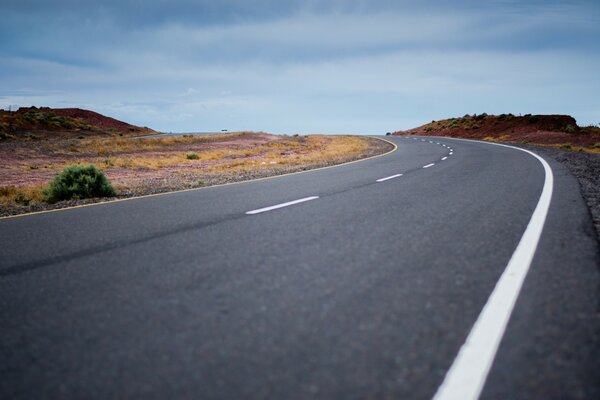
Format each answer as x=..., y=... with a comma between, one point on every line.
x=359, y=281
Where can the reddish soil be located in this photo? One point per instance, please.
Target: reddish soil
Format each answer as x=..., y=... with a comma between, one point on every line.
x=36, y=161
x=59, y=122
x=97, y=120
x=535, y=129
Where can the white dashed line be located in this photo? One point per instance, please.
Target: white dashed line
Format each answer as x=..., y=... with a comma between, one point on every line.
x=468, y=373
x=429, y=165
x=388, y=177
x=289, y=203
x=444, y=158
x=450, y=153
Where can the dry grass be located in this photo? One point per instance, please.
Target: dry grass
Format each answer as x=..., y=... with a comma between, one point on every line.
x=502, y=138
x=571, y=147
x=138, y=166
x=21, y=195
x=108, y=146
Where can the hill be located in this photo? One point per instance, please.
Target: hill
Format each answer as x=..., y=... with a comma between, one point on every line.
x=61, y=122
x=550, y=130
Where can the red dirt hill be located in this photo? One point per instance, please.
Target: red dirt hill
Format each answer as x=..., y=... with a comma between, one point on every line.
x=535, y=129
x=47, y=121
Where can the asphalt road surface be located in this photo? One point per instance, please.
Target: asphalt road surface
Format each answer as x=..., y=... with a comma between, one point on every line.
x=359, y=281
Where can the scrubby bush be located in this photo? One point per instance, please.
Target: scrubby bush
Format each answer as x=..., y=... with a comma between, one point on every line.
x=570, y=129
x=78, y=182
x=480, y=116
x=192, y=156
x=533, y=119
x=505, y=117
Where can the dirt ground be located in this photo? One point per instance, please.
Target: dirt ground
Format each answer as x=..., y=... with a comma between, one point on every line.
x=154, y=165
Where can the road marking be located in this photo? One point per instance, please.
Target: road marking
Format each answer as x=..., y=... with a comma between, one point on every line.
x=444, y=158
x=450, y=153
x=430, y=142
x=289, y=203
x=388, y=177
x=467, y=375
x=429, y=165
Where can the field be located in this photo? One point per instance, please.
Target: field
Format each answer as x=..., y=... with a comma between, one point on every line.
x=159, y=164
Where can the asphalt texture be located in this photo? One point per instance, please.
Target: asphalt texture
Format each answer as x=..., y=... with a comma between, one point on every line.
x=368, y=291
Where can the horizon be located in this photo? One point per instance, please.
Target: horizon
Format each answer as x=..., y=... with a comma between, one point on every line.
x=302, y=67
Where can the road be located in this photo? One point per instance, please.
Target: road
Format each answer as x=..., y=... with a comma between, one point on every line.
x=358, y=281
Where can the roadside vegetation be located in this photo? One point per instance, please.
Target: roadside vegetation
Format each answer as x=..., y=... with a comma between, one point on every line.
x=35, y=173
x=78, y=182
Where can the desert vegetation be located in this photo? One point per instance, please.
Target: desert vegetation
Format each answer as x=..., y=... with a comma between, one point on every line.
x=35, y=172
x=78, y=182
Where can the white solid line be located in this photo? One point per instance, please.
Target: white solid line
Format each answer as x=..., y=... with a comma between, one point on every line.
x=444, y=158
x=289, y=203
x=429, y=165
x=388, y=177
x=467, y=375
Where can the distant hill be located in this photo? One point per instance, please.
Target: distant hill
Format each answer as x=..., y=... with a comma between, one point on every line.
x=45, y=122
x=536, y=129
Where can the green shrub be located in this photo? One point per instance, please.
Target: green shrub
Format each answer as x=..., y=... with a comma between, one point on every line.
x=78, y=182
x=566, y=146
x=533, y=119
x=480, y=116
x=192, y=156
x=597, y=145
x=570, y=128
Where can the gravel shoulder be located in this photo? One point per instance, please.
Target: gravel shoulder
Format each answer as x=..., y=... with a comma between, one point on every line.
x=586, y=168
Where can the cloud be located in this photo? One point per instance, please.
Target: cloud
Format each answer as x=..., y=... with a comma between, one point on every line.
x=301, y=65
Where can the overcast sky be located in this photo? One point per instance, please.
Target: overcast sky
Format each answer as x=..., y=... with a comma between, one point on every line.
x=301, y=66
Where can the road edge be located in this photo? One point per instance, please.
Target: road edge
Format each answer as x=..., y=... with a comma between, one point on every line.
x=468, y=373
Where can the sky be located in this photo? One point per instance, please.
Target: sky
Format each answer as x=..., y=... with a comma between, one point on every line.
x=305, y=66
